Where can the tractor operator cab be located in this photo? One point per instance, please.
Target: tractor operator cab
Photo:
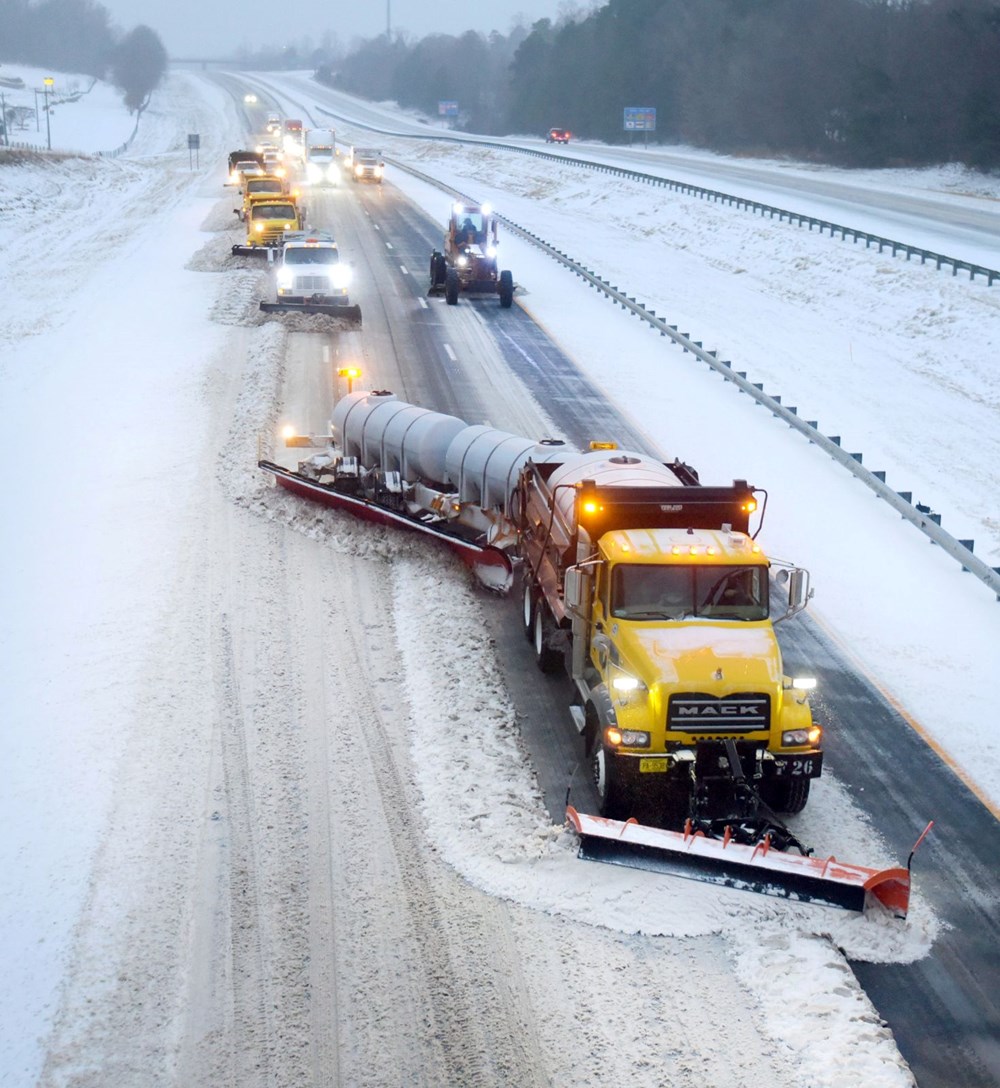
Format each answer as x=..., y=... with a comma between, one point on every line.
x=469, y=260
x=471, y=225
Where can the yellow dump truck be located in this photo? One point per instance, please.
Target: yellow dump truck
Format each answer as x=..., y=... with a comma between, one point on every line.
x=267, y=217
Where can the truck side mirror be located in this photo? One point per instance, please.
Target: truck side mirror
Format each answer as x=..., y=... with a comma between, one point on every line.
x=796, y=589
x=574, y=588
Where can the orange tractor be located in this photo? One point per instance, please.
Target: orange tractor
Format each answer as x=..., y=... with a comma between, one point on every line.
x=469, y=260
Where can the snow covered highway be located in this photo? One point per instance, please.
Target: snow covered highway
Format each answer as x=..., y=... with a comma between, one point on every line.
x=283, y=789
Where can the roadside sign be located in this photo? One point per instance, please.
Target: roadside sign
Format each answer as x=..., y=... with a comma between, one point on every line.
x=194, y=141
x=447, y=108
x=640, y=118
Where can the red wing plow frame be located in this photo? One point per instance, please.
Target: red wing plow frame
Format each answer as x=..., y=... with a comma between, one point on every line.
x=490, y=565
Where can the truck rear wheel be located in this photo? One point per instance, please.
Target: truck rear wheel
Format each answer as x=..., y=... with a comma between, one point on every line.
x=785, y=796
x=528, y=611
x=506, y=289
x=547, y=659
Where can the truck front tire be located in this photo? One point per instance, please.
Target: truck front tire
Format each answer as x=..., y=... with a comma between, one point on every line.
x=787, y=796
x=602, y=765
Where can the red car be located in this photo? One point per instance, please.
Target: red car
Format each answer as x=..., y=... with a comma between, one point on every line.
x=557, y=136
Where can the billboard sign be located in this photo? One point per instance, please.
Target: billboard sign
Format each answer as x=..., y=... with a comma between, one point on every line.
x=447, y=108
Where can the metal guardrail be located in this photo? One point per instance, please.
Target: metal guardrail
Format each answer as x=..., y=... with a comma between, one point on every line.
x=940, y=260
x=918, y=514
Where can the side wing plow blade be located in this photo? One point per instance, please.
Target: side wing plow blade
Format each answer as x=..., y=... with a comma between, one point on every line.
x=490, y=565
x=759, y=868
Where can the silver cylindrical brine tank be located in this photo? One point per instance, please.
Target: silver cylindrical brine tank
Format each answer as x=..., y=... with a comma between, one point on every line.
x=610, y=469
x=483, y=463
x=479, y=462
x=382, y=431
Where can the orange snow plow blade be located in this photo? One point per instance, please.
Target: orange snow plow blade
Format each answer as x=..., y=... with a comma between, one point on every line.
x=759, y=868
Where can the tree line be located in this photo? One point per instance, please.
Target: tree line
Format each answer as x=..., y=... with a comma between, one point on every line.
x=78, y=36
x=854, y=82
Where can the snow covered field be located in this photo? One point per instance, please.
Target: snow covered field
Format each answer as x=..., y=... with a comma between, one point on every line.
x=114, y=406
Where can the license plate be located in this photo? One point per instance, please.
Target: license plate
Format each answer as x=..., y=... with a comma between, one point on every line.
x=653, y=766
x=808, y=766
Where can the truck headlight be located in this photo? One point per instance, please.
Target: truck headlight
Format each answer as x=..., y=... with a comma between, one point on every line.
x=285, y=278
x=626, y=738
x=340, y=275
x=313, y=172
x=804, y=683
x=799, y=738
x=462, y=261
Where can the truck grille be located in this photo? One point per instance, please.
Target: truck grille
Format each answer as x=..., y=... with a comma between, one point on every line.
x=312, y=284
x=695, y=712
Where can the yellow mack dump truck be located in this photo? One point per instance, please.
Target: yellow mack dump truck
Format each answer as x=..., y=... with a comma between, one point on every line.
x=267, y=217
x=650, y=589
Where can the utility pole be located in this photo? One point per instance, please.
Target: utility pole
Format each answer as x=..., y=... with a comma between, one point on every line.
x=388, y=20
x=48, y=81
x=3, y=120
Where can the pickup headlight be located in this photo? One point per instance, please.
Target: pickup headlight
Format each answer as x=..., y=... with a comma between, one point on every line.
x=285, y=277
x=799, y=738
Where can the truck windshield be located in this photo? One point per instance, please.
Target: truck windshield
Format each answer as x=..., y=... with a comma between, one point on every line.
x=264, y=186
x=272, y=211
x=647, y=592
x=311, y=256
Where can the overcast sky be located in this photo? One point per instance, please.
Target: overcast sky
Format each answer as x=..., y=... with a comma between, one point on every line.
x=195, y=28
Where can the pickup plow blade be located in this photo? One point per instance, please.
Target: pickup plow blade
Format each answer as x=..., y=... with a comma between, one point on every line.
x=490, y=565
x=328, y=309
x=761, y=868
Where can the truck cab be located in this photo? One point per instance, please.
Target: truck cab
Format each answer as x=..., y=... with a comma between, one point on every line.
x=267, y=217
x=651, y=591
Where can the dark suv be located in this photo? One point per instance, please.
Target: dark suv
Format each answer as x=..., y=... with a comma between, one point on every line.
x=557, y=136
